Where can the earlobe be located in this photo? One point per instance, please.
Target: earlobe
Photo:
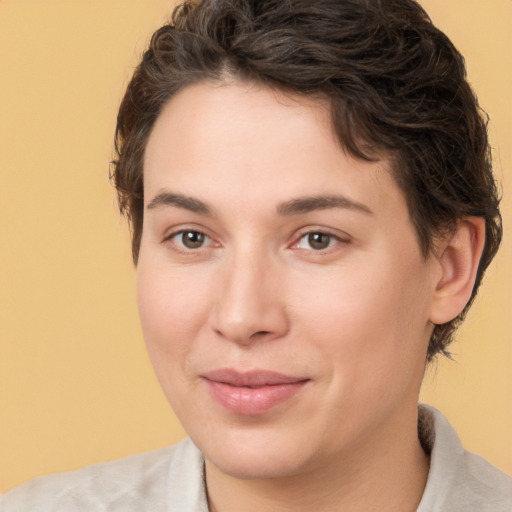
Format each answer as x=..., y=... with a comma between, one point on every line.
x=458, y=259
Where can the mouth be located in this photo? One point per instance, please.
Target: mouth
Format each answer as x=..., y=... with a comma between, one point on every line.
x=254, y=392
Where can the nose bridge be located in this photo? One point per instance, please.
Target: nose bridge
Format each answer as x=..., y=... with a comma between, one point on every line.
x=248, y=304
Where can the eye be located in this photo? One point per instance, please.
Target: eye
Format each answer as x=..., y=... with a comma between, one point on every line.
x=317, y=241
x=189, y=239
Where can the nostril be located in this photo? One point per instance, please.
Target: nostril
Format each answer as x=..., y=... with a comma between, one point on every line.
x=258, y=334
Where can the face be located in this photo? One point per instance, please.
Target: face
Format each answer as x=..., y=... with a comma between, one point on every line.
x=283, y=295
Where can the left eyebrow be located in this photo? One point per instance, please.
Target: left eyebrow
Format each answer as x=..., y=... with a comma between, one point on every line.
x=312, y=203
x=180, y=201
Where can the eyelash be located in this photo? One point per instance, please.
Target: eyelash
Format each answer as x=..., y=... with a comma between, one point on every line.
x=332, y=242
x=181, y=246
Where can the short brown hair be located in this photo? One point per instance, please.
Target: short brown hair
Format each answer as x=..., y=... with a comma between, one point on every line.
x=395, y=83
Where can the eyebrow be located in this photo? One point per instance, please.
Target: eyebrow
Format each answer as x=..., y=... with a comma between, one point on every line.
x=188, y=203
x=295, y=206
x=312, y=203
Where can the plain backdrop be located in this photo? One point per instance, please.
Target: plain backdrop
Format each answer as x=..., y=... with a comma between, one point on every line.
x=76, y=386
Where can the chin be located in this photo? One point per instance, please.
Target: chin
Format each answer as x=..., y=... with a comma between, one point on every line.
x=245, y=466
x=252, y=456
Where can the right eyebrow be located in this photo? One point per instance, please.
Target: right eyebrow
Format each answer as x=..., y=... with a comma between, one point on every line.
x=172, y=199
x=311, y=203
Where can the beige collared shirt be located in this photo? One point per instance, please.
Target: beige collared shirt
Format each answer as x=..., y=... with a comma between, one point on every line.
x=172, y=480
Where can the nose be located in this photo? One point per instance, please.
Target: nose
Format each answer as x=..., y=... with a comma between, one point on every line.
x=249, y=304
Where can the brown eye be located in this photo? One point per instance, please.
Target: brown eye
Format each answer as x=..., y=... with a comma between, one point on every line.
x=190, y=239
x=317, y=241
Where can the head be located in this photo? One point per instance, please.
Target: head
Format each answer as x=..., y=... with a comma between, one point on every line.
x=394, y=84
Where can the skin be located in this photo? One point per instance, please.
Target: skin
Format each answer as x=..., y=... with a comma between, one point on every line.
x=352, y=315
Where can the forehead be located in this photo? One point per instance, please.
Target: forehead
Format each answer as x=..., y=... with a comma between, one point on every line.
x=237, y=143
x=214, y=115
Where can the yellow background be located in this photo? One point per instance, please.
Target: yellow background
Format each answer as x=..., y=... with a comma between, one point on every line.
x=75, y=383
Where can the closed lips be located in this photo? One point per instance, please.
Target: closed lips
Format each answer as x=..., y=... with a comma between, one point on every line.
x=251, y=393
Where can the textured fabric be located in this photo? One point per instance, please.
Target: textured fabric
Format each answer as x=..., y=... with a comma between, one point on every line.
x=166, y=480
x=460, y=481
x=171, y=480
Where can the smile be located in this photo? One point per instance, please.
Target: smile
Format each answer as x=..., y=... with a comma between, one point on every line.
x=251, y=393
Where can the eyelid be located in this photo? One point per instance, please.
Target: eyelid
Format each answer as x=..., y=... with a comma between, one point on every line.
x=341, y=237
x=177, y=230
x=173, y=230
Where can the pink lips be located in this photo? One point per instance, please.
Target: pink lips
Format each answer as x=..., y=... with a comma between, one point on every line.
x=253, y=392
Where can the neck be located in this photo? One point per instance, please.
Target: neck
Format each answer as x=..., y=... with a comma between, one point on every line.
x=387, y=474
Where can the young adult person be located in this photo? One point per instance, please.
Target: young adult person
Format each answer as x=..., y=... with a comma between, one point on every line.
x=312, y=206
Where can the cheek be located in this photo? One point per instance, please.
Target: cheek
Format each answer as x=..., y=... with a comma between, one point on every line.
x=172, y=309
x=172, y=313
x=370, y=320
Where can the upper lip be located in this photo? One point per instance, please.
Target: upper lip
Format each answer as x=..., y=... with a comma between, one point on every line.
x=252, y=378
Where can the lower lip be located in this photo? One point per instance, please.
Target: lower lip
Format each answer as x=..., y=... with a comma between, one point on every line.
x=252, y=401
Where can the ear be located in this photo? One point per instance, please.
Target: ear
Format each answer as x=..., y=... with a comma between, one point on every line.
x=458, y=256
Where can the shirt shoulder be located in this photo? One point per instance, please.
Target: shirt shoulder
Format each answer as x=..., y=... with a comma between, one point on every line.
x=130, y=484
x=459, y=481
x=484, y=485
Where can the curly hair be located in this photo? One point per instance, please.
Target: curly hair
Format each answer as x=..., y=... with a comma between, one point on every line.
x=396, y=85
